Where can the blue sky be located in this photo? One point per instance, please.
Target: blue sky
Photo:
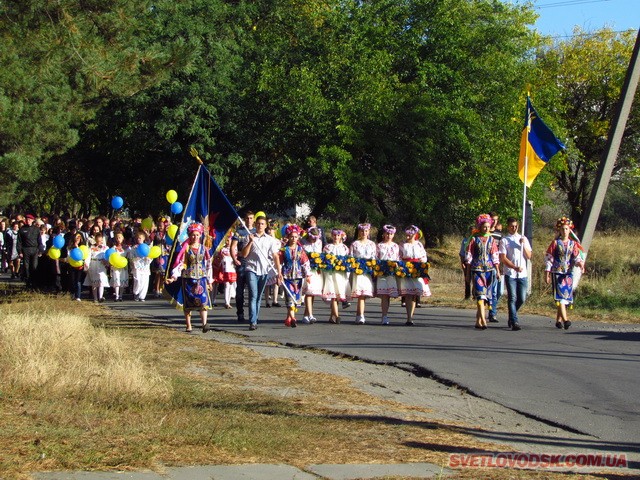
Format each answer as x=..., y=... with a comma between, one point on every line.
x=558, y=17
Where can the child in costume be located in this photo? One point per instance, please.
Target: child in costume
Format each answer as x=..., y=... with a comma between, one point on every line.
x=159, y=264
x=362, y=283
x=295, y=268
x=483, y=260
x=140, y=268
x=193, y=267
x=335, y=284
x=561, y=257
x=97, y=277
x=387, y=285
x=224, y=273
x=312, y=244
x=119, y=277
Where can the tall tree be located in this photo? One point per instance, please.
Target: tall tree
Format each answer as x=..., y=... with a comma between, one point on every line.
x=580, y=79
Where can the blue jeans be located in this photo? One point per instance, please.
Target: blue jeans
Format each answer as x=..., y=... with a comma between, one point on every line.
x=517, y=294
x=496, y=293
x=256, y=284
x=241, y=281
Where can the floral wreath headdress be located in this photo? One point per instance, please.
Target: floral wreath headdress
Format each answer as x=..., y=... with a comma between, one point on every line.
x=293, y=228
x=564, y=221
x=389, y=229
x=483, y=218
x=313, y=233
x=196, y=227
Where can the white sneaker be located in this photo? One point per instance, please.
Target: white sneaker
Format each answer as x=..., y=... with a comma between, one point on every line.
x=360, y=319
x=385, y=320
x=306, y=320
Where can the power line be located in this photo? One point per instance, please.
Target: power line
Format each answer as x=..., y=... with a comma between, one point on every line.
x=568, y=3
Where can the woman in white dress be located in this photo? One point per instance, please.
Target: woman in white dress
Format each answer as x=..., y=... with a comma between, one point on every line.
x=387, y=285
x=362, y=283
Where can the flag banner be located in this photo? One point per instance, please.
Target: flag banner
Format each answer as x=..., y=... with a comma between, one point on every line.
x=208, y=205
x=537, y=145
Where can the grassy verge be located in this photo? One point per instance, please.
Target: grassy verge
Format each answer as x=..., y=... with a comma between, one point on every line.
x=192, y=402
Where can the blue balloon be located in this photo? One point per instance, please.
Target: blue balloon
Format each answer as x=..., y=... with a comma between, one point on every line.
x=142, y=250
x=168, y=240
x=117, y=202
x=58, y=241
x=108, y=253
x=76, y=254
x=176, y=208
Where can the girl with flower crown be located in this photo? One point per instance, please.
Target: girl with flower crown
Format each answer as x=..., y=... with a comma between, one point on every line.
x=312, y=244
x=561, y=257
x=483, y=260
x=362, y=283
x=387, y=286
x=295, y=268
x=412, y=287
x=335, y=284
x=193, y=266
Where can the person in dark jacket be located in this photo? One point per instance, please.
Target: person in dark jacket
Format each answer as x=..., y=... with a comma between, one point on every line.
x=29, y=248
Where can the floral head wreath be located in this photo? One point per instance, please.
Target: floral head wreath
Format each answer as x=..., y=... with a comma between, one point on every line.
x=389, y=229
x=364, y=226
x=313, y=233
x=196, y=227
x=293, y=228
x=483, y=218
x=411, y=230
x=338, y=232
x=564, y=221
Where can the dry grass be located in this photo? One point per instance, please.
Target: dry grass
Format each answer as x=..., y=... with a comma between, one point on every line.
x=225, y=404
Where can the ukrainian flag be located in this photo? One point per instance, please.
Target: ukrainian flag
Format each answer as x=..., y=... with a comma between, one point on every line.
x=537, y=146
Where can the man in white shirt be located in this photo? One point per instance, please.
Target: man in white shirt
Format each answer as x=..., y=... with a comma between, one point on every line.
x=259, y=252
x=514, y=252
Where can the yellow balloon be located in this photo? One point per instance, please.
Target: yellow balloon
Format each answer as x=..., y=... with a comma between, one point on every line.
x=85, y=251
x=122, y=262
x=113, y=259
x=147, y=223
x=172, y=196
x=155, y=252
x=277, y=233
x=171, y=231
x=75, y=263
x=260, y=214
x=54, y=253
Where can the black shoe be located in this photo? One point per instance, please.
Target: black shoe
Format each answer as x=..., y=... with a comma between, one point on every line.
x=268, y=305
x=346, y=304
x=276, y=304
x=558, y=324
x=509, y=323
x=101, y=300
x=418, y=305
x=567, y=324
x=515, y=327
x=493, y=319
x=205, y=328
x=241, y=319
x=253, y=326
x=409, y=322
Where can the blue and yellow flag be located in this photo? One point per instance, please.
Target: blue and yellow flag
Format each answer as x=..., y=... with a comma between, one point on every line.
x=537, y=146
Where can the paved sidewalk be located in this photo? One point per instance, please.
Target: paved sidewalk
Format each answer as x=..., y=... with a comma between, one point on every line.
x=263, y=472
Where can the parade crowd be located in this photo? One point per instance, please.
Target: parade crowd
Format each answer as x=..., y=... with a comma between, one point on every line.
x=302, y=262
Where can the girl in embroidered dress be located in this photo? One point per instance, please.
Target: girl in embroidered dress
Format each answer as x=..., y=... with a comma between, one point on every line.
x=97, y=277
x=412, y=288
x=224, y=273
x=483, y=259
x=193, y=267
x=387, y=286
x=362, y=284
x=335, y=284
x=312, y=244
x=561, y=257
x=119, y=278
x=295, y=268
x=159, y=264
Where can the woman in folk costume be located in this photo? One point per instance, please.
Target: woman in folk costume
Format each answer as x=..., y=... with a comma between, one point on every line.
x=335, y=282
x=412, y=288
x=387, y=285
x=483, y=260
x=561, y=257
x=362, y=283
x=193, y=266
x=312, y=244
x=295, y=268
x=224, y=273
x=97, y=277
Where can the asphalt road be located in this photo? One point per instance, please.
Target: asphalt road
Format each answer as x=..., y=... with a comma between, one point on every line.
x=584, y=379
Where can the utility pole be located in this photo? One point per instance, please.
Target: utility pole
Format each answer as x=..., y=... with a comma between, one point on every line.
x=603, y=176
